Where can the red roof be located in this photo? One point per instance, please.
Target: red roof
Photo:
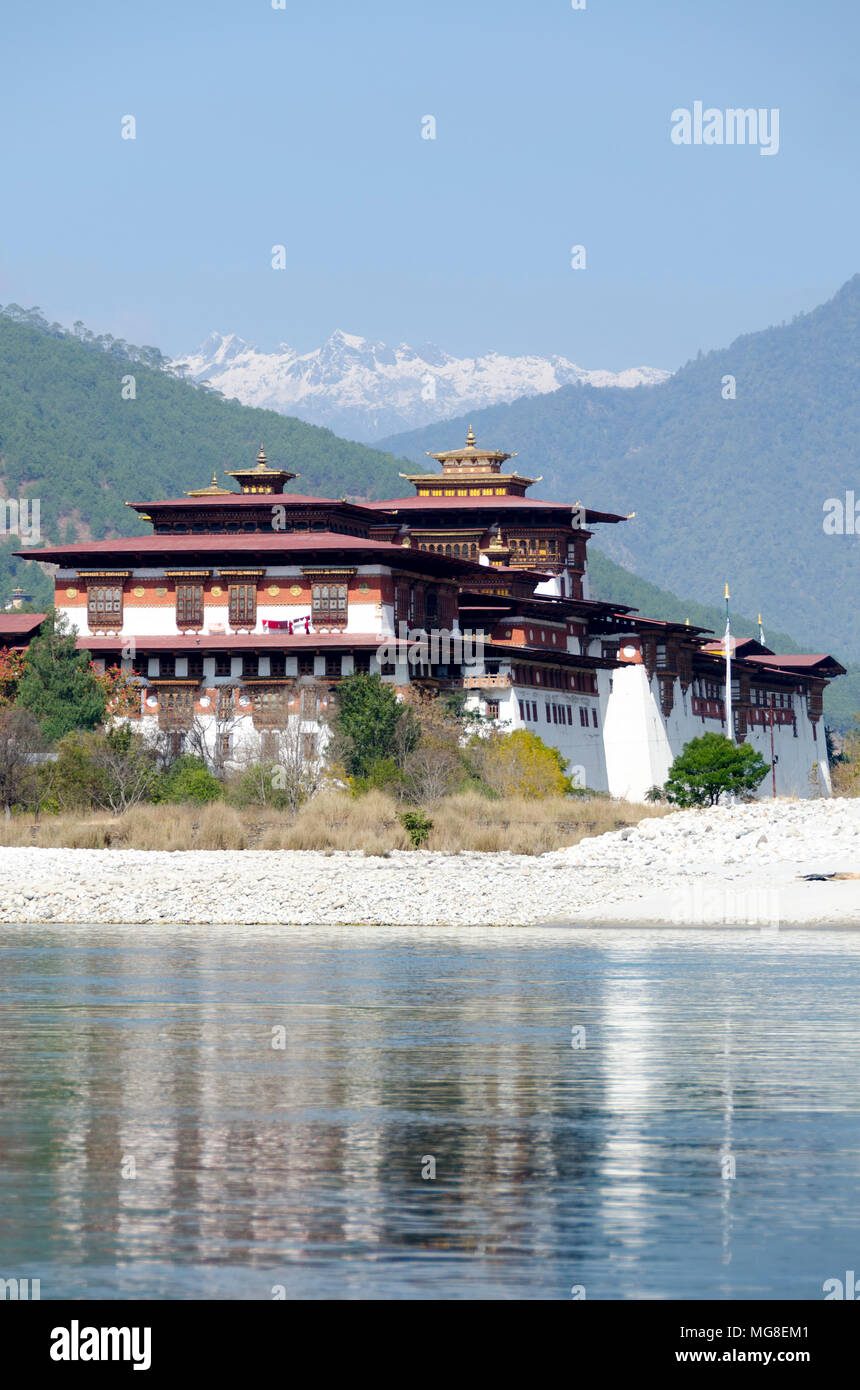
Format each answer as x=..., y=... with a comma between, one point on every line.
x=249, y=543
x=396, y=504
x=803, y=661
x=743, y=646
x=248, y=499
x=17, y=624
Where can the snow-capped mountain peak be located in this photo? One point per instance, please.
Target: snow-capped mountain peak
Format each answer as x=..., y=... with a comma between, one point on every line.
x=366, y=390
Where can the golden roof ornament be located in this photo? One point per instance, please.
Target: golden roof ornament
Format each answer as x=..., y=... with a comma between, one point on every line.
x=213, y=490
x=261, y=478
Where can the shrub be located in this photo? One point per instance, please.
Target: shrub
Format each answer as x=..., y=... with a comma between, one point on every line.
x=384, y=776
x=189, y=779
x=263, y=784
x=710, y=766
x=417, y=827
x=113, y=770
x=519, y=764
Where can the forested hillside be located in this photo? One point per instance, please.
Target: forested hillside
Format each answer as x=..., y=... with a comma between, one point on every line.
x=611, y=581
x=724, y=488
x=70, y=439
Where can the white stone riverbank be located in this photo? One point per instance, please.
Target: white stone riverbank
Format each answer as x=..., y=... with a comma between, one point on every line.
x=728, y=866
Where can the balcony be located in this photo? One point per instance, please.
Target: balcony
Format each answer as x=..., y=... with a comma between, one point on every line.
x=486, y=682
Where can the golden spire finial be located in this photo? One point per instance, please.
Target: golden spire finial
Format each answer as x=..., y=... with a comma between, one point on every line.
x=470, y=438
x=261, y=457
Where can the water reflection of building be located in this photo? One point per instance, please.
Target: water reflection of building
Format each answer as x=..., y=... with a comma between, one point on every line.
x=250, y=1155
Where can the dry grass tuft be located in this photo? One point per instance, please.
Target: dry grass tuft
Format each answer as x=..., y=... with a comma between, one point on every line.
x=220, y=827
x=473, y=822
x=156, y=827
x=335, y=820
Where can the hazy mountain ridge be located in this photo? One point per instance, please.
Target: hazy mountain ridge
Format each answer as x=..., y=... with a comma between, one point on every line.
x=365, y=389
x=70, y=438
x=724, y=489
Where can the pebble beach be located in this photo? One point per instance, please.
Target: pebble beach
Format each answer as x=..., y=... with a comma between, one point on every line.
x=725, y=866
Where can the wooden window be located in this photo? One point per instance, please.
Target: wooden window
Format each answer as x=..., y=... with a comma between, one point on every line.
x=225, y=706
x=189, y=605
x=594, y=717
x=250, y=667
x=223, y=664
x=447, y=602
x=195, y=666
x=306, y=665
x=332, y=667
x=104, y=605
x=167, y=666
x=492, y=709
x=175, y=742
x=361, y=663
x=277, y=664
x=328, y=604
x=243, y=605
x=401, y=603
x=270, y=706
x=418, y=606
x=175, y=709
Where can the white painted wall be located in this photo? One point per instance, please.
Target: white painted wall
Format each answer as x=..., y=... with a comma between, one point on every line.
x=641, y=744
x=638, y=750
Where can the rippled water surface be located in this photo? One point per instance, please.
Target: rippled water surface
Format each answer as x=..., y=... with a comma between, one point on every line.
x=150, y=1052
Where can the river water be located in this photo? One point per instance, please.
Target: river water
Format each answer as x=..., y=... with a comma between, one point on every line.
x=322, y=1113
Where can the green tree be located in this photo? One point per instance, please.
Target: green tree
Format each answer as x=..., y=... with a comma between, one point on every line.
x=370, y=725
x=519, y=764
x=711, y=765
x=189, y=779
x=20, y=746
x=58, y=686
x=112, y=770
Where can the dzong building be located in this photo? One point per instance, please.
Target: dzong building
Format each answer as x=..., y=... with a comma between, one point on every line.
x=245, y=605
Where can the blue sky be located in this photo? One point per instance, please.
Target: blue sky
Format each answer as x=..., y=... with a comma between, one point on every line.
x=301, y=127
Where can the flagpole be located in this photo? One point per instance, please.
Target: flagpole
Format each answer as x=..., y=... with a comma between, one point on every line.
x=730, y=726
x=760, y=631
